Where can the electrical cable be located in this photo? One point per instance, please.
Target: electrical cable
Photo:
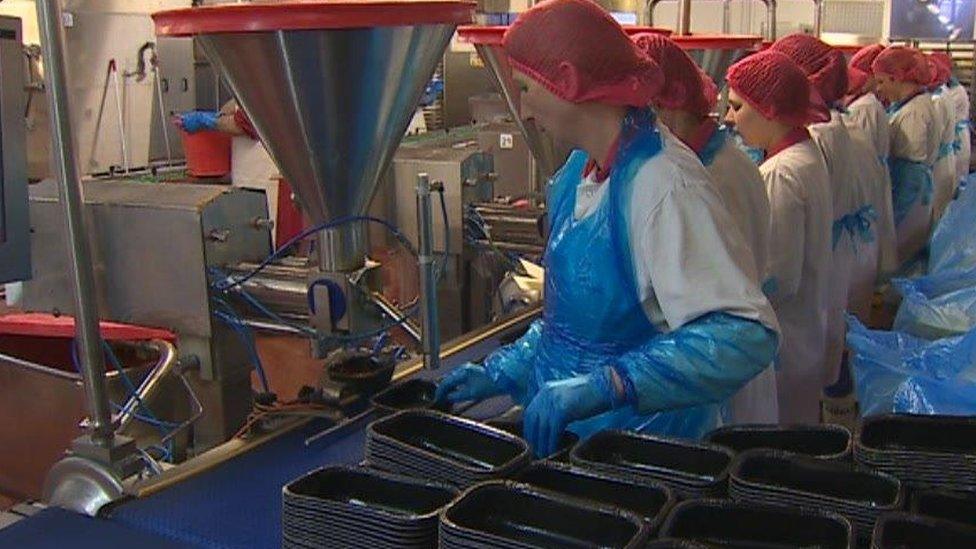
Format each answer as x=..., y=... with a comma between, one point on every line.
x=233, y=321
x=258, y=306
x=277, y=254
x=439, y=270
x=165, y=427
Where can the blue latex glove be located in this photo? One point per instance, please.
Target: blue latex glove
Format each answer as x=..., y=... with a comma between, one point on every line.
x=432, y=92
x=466, y=382
x=195, y=121
x=559, y=403
x=504, y=371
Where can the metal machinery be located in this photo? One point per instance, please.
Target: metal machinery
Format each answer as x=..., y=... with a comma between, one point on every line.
x=330, y=91
x=167, y=255
x=14, y=224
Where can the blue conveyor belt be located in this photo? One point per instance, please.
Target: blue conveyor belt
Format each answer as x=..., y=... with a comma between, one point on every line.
x=57, y=529
x=238, y=504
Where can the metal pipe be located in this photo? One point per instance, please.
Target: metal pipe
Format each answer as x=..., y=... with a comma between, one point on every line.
x=770, y=19
x=817, y=17
x=114, y=70
x=392, y=311
x=164, y=120
x=649, y=6
x=726, y=16
x=147, y=389
x=275, y=327
x=684, y=18
x=343, y=248
x=69, y=190
x=428, y=280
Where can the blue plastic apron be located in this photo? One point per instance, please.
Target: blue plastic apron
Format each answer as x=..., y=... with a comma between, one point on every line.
x=592, y=309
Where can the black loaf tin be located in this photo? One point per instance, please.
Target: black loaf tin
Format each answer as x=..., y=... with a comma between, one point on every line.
x=692, y=470
x=819, y=441
x=505, y=514
x=743, y=525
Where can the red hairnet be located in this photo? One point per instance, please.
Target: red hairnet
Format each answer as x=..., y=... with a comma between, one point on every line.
x=943, y=59
x=777, y=88
x=902, y=64
x=686, y=87
x=940, y=74
x=859, y=68
x=944, y=64
x=579, y=53
x=824, y=65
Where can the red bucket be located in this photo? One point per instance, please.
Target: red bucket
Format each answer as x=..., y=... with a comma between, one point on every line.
x=207, y=153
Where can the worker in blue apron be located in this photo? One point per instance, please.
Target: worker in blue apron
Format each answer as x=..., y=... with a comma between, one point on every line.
x=653, y=317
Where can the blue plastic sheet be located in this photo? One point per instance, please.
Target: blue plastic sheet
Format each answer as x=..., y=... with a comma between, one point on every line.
x=953, y=245
x=900, y=373
x=937, y=306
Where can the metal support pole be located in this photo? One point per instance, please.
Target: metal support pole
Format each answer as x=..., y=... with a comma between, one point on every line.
x=684, y=17
x=726, y=16
x=770, y=19
x=817, y=17
x=428, y=281
x=80, y=261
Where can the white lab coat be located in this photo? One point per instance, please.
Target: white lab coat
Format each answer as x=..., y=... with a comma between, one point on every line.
x=680, y=235
x=799, y=260
x=915, y=136
x=742, y=189
x=851, y=189
x=874, y=261
x=944, y=172
x=866, y=115
x=960, y=103
x=867, y=121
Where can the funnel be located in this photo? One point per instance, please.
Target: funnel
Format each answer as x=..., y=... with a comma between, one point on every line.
x=715, y=53
x=329, y=86
x=488, y=42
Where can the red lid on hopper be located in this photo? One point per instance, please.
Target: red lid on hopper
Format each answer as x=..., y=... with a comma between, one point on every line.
x=311, y=15
x=474, y=34
x=717, y=41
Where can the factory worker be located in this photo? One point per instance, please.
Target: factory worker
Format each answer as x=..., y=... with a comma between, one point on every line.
x=960, y=102
x=867, y=120
x=653, y=316
x=683, y=105
x=944, y=172
x=771, y=103
x=852, y=187
x=915, y=138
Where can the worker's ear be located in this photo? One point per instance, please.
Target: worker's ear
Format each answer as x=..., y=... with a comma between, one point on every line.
x=569, y=79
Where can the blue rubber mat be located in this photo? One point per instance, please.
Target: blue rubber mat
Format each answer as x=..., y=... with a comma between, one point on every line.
x=56, y=529
x=238, y=504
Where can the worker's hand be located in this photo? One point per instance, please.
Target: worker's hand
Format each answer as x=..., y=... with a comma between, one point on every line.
x=466, y=382
x=559, y=403
x=195, y=121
